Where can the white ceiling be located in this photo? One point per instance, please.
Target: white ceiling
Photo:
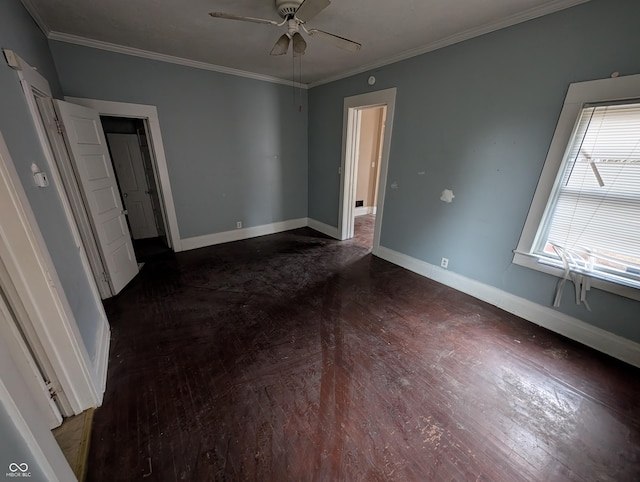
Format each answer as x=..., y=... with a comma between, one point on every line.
x=388, y=29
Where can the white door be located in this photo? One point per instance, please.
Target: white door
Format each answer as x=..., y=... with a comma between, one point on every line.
x=132, y=179
x=89, y=154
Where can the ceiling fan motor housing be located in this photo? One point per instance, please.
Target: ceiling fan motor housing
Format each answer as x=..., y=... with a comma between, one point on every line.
x=287, y=8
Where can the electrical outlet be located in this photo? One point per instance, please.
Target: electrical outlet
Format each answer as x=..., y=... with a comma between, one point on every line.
x=239, y=224
x=444, y=263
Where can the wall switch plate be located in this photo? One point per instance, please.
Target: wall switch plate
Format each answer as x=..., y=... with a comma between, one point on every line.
x=239, y=224
x=444, y=263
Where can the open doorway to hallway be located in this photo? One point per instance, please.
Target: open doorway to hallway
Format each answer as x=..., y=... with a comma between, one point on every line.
x=367, y=178
x=379, y=144
x=129, y=148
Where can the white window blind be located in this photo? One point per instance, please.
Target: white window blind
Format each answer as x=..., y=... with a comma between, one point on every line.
x=595, y=211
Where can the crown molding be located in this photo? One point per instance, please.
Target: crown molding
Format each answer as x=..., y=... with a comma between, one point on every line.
x=121, y=49
x=33, y=11
x=536, y=12
x=521, y=17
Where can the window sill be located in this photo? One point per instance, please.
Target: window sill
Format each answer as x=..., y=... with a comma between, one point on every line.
x=598, y=281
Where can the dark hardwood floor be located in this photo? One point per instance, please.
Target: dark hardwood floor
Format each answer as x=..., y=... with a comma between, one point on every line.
x=295, y=357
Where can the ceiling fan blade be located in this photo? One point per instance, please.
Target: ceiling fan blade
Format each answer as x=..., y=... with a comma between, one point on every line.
x=299, y=44
x=282, y=45
x=311, y=8
x=231, y=16
x=343, y=43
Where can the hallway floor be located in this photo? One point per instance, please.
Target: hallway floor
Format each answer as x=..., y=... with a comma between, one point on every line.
x=298, y=357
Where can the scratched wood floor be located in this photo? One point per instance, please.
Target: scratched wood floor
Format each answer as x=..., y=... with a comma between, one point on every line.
x=294, y=357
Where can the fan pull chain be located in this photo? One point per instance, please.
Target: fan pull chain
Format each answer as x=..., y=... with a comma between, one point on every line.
x=300, y=82
x=293, y=80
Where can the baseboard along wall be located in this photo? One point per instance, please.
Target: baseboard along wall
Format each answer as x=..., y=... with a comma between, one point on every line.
x=573, y=328
x=362, y=210
x=243, y=233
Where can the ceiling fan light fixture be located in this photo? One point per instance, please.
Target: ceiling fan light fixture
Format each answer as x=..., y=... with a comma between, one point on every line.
x=295, y=14
x=282, y=45
x=299, y=44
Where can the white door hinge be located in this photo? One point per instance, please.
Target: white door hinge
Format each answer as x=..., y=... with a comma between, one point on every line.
x=52, y=390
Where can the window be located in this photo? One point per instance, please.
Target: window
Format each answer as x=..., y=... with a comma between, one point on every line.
x=584, y=222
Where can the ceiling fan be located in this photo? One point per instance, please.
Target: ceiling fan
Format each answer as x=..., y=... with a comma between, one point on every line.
x=295, y=14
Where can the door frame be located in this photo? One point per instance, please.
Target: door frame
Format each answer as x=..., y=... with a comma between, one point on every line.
x=350, y=136
x=149, y=114
x=16, y=398
x=375, y=172
x=31, y=361
x=35, y=85
x=118, y=270
x=36, y=283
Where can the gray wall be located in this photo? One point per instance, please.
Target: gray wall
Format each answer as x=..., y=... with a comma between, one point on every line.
x=18, y=32
x=236, y=148
x=478, y=118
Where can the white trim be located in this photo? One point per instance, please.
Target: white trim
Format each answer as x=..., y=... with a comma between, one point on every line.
x=352, y=121
x=363, y=210
x=244, y=233
x=150, y=114
x=348, y=163
x=146, y=54
x=71, y=190
x=323, y=228
x=76, y=393
x=573, y=328
x=525, y=16
x=36, y=281
x=32, y=81
x=529, y=261
x=101, y=362
x=594, y=91
x=517, y=18
x=29, y=360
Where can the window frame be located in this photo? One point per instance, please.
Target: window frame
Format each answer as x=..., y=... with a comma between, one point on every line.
x=616, y=89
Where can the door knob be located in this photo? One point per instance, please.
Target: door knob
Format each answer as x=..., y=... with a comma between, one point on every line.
x=124, y=194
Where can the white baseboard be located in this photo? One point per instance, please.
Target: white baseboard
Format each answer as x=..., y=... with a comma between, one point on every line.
x=362, y=210
x=331, y=231
x=101, y=361
x=573, y=328
x=239, y=234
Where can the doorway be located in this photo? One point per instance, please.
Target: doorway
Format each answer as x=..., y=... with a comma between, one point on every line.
x=370, y=137
x=132, y=160
x=107, y=267
x=148, y=114
x=367, y=121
